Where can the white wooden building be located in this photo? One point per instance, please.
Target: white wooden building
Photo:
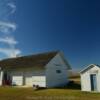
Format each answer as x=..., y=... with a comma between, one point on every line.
x=45, y=70
x=90, y=78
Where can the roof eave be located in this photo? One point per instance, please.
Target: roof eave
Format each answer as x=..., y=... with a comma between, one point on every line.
x=87, y=68
x=66, y=62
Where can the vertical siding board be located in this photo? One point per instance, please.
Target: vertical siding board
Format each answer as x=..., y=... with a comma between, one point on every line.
x=85, y=78
x=54, y=79
x=28, y=76
x=1, y=78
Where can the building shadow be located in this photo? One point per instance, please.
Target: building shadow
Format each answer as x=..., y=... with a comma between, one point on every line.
x=71, y=85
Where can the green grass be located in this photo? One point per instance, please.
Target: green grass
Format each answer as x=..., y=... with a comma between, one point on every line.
x=9, y=93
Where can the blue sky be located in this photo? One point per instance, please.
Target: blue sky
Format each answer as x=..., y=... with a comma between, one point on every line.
x=72, y=26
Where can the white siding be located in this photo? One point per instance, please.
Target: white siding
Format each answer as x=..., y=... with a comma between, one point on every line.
x=53, y=78
x=1, y=77
x=17, y=78
x=85, y=82
x=39, y=80
x=28, y=77
x=85, y=79
x=98, y=81
x=36, y=77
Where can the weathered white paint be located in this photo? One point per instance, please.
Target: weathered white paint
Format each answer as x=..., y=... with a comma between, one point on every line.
x=28, y=77
x=1, y=77
x=39, y=80
x=44, y=77
x=85, y=78
x=54, y=79
x=17, y=78
x=35, y=77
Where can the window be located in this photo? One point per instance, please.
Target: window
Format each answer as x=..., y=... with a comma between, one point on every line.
x=58, y=71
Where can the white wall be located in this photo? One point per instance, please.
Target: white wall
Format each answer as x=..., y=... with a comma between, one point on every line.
x=85, y=79
x=28, y=77
x=36, y=77
x=85, y=82
x=54, y=79
x=1, y=77
x=17, y=78
x=98, y=80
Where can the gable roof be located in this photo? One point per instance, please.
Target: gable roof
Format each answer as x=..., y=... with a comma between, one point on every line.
x=38, y=60
x=89, y=67
x=65, y=61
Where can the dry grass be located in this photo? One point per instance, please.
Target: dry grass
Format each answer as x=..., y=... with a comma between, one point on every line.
x=73, y=93
x=9, y=93
x=75, y=79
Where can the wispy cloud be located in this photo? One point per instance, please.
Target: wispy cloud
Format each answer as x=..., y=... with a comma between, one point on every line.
x=7, y=27
x=8, y=40
x=10, y=52
x=8, y=7
x=12, y=6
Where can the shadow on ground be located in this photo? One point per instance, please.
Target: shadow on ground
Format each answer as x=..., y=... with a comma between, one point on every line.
x=71, y=85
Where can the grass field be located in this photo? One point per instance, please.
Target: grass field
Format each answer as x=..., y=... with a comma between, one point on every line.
x=69, y=93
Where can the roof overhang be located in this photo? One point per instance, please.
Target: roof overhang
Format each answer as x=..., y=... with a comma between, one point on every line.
x=88, y=67
x=65, y=61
